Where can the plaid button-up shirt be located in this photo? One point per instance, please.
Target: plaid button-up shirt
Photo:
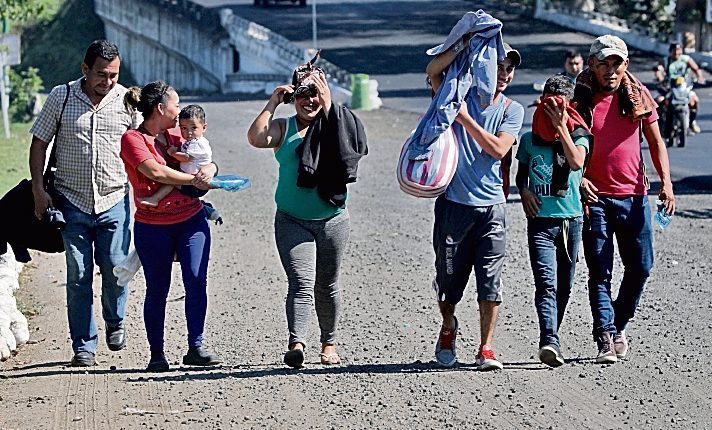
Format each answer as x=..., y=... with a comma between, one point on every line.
x=90, y=173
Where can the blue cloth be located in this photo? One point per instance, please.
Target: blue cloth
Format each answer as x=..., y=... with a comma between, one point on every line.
x=103, y=238
x=629, y=220
x=156, y=245
x=230, y=183
x=473, y=73
x=554, y=267
x=478, y=179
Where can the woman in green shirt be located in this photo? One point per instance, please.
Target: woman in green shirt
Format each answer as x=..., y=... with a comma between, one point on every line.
x=311, y=233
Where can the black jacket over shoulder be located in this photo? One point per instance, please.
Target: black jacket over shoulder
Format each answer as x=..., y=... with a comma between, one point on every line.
x=330, y=152
x=21, y=229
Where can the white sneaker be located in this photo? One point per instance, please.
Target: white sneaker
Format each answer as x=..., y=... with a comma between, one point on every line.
x=694, y=127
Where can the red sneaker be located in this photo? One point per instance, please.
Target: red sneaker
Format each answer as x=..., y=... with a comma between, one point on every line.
x=486, y=360
x=445, y=349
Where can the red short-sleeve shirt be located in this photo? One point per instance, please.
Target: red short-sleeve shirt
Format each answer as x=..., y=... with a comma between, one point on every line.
x=615, y=165
x=175, y=207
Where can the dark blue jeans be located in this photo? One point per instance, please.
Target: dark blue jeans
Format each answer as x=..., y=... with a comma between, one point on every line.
x=156, y=245
x=629, y=220
x=553, y=251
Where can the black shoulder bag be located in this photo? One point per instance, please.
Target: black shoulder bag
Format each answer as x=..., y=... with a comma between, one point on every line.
x=21, y=228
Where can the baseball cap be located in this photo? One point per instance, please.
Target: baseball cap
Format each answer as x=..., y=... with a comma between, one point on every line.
x=607, y=45
x=512, y=54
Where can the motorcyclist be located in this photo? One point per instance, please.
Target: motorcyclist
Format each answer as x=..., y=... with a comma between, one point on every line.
x=677, y=65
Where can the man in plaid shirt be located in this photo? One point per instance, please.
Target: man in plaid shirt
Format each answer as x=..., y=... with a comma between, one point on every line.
x=92, y=192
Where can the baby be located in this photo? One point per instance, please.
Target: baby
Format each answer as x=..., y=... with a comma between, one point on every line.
x=194, y=153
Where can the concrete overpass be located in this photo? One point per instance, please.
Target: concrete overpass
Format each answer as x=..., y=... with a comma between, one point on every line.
x=201, y=49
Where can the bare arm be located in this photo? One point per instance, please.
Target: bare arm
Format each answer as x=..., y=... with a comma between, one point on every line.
x=38, y=151
x=442, y=61
x=575, y=155
x=322, y=88
x=530, y=202
x=659, y=155
x=164, y=174
x=265, y=131
x=698, y=72
x=495, y=145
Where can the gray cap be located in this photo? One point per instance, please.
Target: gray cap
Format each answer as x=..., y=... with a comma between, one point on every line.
x=512, y=54
x=608, y=45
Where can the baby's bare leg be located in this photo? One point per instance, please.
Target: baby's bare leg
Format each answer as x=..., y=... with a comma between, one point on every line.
x=153, y=200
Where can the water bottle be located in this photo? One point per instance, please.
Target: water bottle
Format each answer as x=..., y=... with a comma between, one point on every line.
x=662, y=219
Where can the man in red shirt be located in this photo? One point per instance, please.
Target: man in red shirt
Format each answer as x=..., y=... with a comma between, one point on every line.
x=614, y=189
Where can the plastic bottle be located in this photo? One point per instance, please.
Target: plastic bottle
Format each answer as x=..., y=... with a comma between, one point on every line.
x=662, y=219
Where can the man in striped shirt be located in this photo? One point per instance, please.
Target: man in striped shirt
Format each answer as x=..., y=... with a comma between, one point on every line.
x=92, y=192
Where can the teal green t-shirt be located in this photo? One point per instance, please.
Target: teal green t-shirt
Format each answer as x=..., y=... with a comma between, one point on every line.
x=677, y=68
x=299, y=202
x=540, y=160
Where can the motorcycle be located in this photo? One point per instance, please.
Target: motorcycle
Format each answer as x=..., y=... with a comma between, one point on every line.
x=674, y=111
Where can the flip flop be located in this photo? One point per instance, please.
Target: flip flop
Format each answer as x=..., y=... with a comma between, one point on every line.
x=294, y=358
x=329, y=359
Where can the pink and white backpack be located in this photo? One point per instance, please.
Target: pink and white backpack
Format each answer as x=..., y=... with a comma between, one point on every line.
x=430, y=177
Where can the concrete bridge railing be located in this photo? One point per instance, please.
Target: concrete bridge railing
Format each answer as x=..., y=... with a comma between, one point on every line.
x=202, y=49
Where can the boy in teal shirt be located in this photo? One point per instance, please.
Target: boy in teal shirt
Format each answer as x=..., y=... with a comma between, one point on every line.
x=553, y=152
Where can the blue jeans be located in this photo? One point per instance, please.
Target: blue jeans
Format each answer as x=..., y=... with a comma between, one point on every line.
x=553, y=251
x=156, y=245
x=629, y=220
x=102, y=238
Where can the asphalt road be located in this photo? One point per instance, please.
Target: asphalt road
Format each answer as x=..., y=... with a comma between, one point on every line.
x=387, y=39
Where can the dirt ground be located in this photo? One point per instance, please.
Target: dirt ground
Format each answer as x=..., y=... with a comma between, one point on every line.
x=387, y=332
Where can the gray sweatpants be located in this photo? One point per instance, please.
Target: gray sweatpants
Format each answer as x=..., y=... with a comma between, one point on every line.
x=311, y=252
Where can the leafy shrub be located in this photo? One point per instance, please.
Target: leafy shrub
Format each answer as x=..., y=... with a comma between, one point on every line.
x=24, y=88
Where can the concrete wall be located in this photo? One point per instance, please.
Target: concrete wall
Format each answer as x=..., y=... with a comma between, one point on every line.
x=161, y=40
x=201, y=49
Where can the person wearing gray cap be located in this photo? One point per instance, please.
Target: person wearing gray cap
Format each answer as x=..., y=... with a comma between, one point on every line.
x=615, y=188
x=469, y=227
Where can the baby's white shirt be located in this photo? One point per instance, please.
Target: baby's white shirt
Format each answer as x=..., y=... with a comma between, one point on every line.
x=200, y=153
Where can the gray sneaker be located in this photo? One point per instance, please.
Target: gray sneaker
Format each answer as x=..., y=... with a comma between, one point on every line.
x=445, y=347
x=620, y=344
x=551, y=355
x=606, y=349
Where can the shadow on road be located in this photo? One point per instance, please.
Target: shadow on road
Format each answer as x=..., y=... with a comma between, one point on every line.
x=254, y=371
x=690, y=185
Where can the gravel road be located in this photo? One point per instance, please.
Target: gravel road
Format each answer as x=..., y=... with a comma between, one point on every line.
x=389, y=324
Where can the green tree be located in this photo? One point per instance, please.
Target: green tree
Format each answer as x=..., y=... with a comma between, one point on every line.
x=24, y=87
x=20, y=10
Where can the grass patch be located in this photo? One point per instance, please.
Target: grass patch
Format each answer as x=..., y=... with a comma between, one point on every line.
x=14, y=156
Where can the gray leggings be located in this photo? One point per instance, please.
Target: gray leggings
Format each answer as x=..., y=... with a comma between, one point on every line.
x=311, y=251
